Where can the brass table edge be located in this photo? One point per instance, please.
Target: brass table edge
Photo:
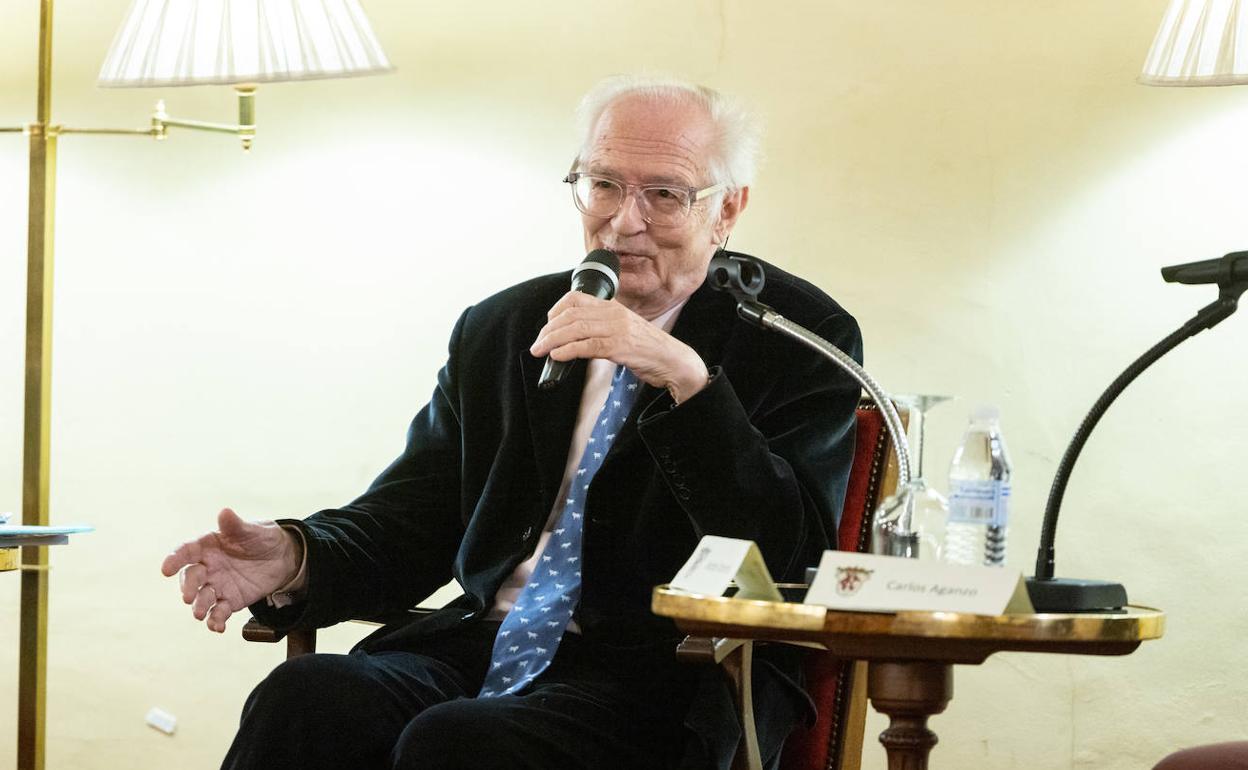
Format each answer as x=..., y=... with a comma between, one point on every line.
x=1138, y=623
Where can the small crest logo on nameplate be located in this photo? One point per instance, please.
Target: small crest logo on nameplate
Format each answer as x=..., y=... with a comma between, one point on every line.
x=850, y=579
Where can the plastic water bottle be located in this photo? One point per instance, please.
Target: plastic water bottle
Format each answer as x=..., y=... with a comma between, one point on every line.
x=979, y=493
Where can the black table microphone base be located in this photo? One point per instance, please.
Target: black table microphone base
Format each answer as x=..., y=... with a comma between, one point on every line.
x=1069, y=595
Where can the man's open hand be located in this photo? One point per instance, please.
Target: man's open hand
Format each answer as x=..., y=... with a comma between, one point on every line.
x=233, y=567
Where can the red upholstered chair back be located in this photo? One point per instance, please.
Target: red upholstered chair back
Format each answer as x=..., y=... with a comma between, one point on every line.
x=835, y=740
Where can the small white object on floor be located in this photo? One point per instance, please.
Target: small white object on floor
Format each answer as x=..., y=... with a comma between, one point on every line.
x=162, y=720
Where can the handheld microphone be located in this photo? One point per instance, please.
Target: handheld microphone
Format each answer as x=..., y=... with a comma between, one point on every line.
x=598, y=275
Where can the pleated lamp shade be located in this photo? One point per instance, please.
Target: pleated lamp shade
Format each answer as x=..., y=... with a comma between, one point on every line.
x=196, y=42
x=1200, y=43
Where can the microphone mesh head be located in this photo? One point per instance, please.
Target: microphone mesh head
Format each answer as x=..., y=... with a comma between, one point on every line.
x=604, y=257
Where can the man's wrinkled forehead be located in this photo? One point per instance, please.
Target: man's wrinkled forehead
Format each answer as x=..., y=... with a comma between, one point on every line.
x=668, y=139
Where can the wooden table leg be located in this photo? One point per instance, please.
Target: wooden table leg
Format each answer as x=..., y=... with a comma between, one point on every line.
x=909, y=692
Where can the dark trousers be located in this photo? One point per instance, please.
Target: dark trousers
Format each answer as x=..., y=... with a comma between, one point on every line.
x=403, y=710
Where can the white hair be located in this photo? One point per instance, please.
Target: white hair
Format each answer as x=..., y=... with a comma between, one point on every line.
x=738, y=132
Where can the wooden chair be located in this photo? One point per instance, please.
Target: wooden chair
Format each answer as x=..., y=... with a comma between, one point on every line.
x=837, y=686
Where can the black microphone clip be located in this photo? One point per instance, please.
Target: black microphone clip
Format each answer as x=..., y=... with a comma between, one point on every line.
x=1226, y=272
x=742, y=276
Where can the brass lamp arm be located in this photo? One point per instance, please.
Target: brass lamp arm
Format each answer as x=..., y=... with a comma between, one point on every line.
x=36, y=129
x=245, y=129
x=58, y=130
x=225, y=128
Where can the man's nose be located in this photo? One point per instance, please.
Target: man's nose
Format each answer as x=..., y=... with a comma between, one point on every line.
x=628, y=219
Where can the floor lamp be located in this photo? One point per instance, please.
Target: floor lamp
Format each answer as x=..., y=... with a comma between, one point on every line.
x=160, y=43
x=1199, y=43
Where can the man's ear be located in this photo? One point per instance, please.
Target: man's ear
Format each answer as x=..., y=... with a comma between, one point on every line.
x=730, y=208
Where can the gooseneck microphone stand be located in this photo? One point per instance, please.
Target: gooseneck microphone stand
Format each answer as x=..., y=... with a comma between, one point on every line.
x=741, y=275
x=1050, y=594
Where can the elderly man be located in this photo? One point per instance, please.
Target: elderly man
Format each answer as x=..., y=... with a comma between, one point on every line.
x=558, y=510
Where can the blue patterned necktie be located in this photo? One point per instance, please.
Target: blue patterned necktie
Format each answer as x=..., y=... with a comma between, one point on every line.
x=530, y=634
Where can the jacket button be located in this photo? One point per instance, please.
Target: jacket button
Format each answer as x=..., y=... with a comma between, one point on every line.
x=683, y=494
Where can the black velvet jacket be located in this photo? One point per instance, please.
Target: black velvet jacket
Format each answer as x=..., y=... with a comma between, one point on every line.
x=762, y=453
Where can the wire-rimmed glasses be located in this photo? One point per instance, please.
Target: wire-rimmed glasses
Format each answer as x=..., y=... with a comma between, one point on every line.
x=660, y=204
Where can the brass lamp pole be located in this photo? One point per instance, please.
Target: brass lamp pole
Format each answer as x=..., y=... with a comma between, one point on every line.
x=37, y=418
x=327, y=38
x=36, y=433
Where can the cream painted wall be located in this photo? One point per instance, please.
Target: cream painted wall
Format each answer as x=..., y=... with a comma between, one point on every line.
x=981, y=183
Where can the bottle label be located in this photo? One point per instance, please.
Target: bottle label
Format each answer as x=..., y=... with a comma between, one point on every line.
x=986, y=503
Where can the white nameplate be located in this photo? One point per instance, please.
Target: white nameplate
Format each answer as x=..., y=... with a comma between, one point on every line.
x=859, y=581
x=718, y=561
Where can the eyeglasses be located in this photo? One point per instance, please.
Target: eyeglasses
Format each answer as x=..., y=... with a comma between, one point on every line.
x=660, y=204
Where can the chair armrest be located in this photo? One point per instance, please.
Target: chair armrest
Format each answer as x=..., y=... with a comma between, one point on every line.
x=301, y=641
x=255, y=631
x=707, y=649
